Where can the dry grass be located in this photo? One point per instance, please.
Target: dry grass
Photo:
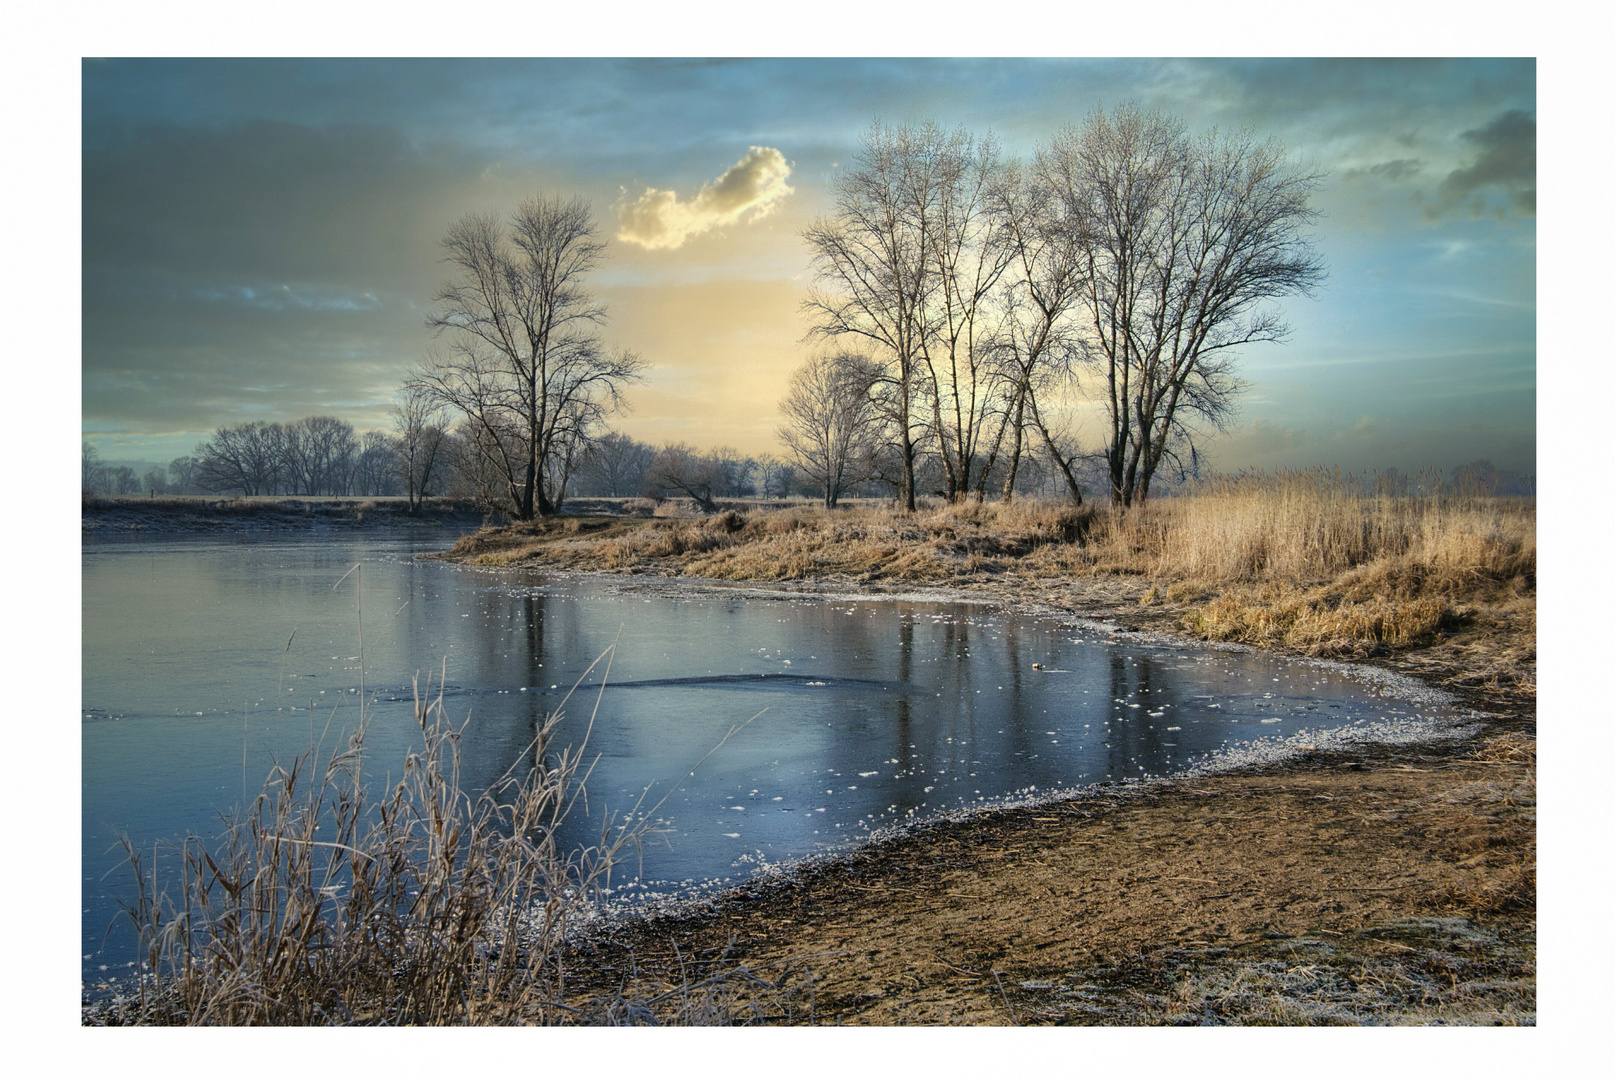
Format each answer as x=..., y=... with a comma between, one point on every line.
x=1297, y=561
x=323, y=904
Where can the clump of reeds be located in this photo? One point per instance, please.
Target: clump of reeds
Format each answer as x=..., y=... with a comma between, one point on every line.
x=322, y=904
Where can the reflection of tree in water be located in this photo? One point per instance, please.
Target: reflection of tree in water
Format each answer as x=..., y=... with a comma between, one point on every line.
x=904, y=727
x=1135, y=741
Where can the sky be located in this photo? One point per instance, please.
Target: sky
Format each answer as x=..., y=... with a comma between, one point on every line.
x=261, y=238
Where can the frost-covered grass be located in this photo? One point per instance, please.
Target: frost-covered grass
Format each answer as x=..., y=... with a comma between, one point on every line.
x=330, y=902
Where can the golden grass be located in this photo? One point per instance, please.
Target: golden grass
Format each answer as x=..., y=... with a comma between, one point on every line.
x=1298, y=561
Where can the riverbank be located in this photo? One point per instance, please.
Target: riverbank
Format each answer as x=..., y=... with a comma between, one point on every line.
x=1386, y=884
x=107, y=516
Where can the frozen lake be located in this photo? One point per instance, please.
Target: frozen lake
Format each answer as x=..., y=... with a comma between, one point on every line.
x=206, y=660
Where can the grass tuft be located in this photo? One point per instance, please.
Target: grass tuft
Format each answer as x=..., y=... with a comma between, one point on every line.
x=323, y=904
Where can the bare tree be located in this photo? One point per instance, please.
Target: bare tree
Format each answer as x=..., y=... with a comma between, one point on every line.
x=965, y=239
x=375, y=467
x=831, y=421
x=92, y=468
x=472, y=472
x=121, y=480
x=182, y=474
x=420, y=424
x=1183, y=241
x=525, y=365
x=317, y=456
x=241, y=457
x=1036, y=341
x=776, y=478
x=614, y=464
x=680, y=467
x=875, y=274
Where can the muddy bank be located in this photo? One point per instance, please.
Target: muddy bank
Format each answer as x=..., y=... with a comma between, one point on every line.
x=106, y=516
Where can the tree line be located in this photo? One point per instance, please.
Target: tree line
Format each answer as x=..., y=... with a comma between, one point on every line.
x=318, y=455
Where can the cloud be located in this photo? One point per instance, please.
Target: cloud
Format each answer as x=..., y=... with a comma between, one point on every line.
x=1394, y=171
x=1505, y=160
x=754, y=184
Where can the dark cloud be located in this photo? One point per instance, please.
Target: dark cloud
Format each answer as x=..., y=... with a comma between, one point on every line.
x=260, y=269
x=1504, y=162
x=1394, y=171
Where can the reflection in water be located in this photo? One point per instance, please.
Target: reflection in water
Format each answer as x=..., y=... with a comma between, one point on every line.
x=206, y=661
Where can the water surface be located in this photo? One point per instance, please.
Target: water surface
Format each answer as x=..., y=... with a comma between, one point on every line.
x=207, y=660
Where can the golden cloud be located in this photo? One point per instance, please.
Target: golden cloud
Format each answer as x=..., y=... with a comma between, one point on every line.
x=750, y=188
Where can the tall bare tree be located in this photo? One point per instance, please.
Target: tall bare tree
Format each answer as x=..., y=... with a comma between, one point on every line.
x=524, y=363
x=1184, y=242
x=832, y=421
x=1036, y=340
x=874, y=267
x=965, y=239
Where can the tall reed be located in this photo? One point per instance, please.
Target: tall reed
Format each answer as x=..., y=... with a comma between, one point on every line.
x=321, y=904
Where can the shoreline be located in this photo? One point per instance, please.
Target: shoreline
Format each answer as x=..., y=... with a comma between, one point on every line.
x=1365, y=884
x=1077, y=909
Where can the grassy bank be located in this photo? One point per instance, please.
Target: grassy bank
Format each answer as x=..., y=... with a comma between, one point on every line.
x=1293, y=563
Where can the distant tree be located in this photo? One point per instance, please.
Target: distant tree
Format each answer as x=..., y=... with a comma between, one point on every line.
x=317, y=456
x=420, y=426
x=614, y=464
x=1483, y=478
x=121, y=480
x=182, y=474
x=525, y=366
x=777, y=479
x=375, y=469
x=1183, y=243
x=93, y=470
x=155, y=481
x=1392, y=481
x=734, y=473
x=241, y=457
x=679, y=467
x=832, y=423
